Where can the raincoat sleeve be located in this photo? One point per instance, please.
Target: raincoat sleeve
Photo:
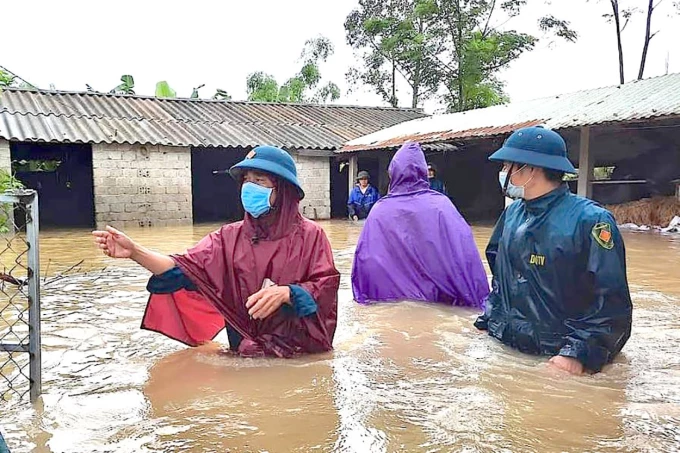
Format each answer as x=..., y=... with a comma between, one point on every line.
x=302, y=303
x=169, y=282
x=601, y=332
x=494, y=241
x=491, y=253
x=376, y=194
x=321, y=285
x=352, y=202
x=372, y=199
x=204, y=263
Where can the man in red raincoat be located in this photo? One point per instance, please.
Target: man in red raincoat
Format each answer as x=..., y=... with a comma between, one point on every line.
x=269, y=279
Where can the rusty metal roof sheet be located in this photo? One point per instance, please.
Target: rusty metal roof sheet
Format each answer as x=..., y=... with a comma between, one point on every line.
x=84, y=117
x=639, y=100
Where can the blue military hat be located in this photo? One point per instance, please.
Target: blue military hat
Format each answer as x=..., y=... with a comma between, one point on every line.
x=537, y=147
x=269, y=159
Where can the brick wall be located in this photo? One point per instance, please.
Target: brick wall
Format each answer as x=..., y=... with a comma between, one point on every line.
x=137, y=185
x=314, y=174
x=5, y=158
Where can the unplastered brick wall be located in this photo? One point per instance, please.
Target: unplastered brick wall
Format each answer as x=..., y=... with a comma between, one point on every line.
x=314, y=174
x=142, y=185
x=5, y=157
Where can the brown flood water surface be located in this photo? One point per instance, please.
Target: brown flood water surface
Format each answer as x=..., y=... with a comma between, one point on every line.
x=403, y=377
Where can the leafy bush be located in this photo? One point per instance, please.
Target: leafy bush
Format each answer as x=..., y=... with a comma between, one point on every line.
x=7, y=182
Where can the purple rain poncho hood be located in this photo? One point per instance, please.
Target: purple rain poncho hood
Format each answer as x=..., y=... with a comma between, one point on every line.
x=415, y=245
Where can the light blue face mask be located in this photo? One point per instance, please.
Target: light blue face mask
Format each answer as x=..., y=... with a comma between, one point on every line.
x=255, y=199
x=512, y=191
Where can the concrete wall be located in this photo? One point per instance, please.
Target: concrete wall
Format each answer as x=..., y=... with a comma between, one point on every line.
x=5, y=158
x=314, y=173
x=137, y=185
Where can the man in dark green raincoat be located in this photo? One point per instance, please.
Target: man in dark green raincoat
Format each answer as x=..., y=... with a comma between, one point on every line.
x=558, y=261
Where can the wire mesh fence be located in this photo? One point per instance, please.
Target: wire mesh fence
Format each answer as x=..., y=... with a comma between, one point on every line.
x=20, y=371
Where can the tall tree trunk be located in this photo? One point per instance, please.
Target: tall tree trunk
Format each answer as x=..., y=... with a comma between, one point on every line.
x=648, y=37
x=460, y=59
x=617, y=21
x=415, y=86
x=394, y=101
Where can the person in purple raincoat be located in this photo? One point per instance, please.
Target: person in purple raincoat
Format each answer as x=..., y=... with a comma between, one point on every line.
x=415, y=245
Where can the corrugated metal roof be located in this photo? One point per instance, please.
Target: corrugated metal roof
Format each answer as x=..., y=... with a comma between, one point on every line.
x=639, y=100
x=83, y=117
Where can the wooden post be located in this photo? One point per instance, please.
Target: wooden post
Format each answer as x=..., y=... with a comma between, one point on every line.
x=353, y=171
x=585, y=165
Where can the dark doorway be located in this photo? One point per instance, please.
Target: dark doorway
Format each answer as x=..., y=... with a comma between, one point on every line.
x=216, y=196
x=340, y=182
x=62, y=175
x=339, y=188
x=472, y=182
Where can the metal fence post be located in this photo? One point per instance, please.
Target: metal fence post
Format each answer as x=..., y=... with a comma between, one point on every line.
x=20, y=294
x=32, y=236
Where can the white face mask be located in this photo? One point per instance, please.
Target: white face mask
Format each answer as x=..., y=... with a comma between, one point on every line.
x=512, y=191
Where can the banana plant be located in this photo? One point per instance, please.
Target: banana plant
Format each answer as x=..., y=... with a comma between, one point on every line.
x=163, y=90
x=221, y=95
x=194, y=93
x=6, y=79
x=126, y=87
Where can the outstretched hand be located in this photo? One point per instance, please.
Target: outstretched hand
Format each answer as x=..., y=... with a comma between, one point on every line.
x=114, y=243
x=265, y=302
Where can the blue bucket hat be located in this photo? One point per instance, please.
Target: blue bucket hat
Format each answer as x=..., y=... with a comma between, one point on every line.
x=537, y=147
x=269, y=159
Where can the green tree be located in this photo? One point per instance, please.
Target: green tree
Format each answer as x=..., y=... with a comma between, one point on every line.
x=262, y=87
x=7, y=182
x=620, y=15
x=453, y=49
x=6, y=79
x=304, y=86
x=394, y=38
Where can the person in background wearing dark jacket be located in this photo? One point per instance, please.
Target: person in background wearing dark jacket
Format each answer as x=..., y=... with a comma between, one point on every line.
x=435, y=184
x=362, y=198
x=558, y=261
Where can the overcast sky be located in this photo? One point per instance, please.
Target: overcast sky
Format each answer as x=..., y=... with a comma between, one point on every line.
x=69, y=43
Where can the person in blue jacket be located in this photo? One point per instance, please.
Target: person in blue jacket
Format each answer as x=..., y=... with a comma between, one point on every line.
x=362, y=198
x=558, y=261
x=435, y=184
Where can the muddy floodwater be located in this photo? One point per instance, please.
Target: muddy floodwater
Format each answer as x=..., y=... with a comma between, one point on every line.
x=403, y=377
